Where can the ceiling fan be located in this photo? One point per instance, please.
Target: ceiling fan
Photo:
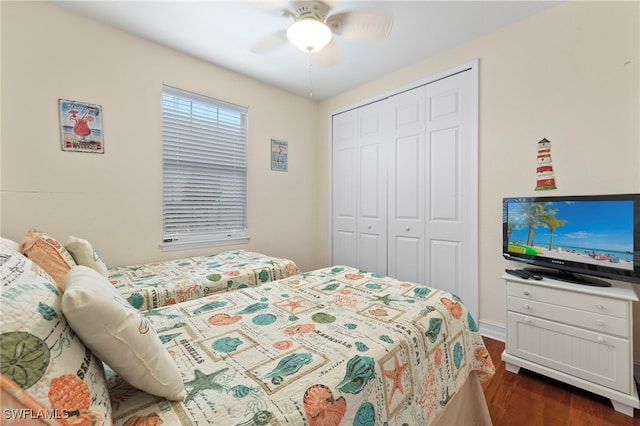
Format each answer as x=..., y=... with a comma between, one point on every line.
x=314, y=26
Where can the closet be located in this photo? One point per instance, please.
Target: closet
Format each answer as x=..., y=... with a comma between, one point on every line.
x=404, y=183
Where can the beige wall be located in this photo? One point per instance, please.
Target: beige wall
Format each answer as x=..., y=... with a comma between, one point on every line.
x=569, y=74
x=114, y=200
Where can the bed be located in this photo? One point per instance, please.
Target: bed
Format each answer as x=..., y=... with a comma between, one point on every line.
x=332, y=346
x=157, y=284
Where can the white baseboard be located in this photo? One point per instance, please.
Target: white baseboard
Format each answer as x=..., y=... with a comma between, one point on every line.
x=494, y=330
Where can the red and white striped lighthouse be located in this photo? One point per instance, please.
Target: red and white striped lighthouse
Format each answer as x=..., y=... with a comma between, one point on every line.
x=544, y=172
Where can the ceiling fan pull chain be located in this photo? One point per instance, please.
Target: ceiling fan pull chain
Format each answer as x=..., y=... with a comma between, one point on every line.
x=310, y=77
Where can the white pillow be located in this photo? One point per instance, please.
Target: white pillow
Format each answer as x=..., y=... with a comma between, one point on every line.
x=85, y=254
x=10, y=243
x=119, y=334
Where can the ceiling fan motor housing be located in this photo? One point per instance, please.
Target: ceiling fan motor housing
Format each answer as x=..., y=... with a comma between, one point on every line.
x=310, y=10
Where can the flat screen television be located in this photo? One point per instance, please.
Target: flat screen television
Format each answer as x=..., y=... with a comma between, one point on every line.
x=575, y=238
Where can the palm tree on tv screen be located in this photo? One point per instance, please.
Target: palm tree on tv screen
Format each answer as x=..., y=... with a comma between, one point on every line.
x=552, y=223
x=535, y=214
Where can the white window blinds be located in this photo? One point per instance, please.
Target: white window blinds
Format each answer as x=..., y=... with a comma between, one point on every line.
x=204, y=169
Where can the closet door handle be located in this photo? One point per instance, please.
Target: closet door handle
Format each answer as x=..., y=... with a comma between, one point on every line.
x=408, y=229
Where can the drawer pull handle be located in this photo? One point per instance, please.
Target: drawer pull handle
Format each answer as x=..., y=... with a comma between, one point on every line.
x=599, y=306
x=526, y=292
x=369, y=227
x=600, y=323
x=527, y=320
x=600, y=339
x=408, y=229
x=526, y=306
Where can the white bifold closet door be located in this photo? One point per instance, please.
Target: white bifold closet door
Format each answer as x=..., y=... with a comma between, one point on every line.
x=404, y=186
x=432, y=229
x=359, y=235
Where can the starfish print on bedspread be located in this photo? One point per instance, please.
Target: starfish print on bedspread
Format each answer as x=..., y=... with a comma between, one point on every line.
x=293, y=305
x=396, y=376
x=202, y=382
x=386, y=299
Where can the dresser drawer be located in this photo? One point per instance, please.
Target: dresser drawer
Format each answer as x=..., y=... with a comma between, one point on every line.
x=590, y=356
x=579, y=318
x=594, y=303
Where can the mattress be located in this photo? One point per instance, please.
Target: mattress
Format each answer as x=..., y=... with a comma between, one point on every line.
x=332, y=346
x=158, y=284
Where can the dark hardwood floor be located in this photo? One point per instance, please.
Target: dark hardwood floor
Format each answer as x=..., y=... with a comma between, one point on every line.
x=530, y=399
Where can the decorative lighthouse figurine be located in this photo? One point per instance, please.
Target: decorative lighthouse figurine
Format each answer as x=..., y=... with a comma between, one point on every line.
x=544, y=171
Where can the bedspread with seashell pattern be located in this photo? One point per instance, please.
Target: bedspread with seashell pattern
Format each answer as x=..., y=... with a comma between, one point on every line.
x=328, y=347
x=157, y=284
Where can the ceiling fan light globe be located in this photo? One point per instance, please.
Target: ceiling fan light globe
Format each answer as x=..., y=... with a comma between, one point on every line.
x=309, y=35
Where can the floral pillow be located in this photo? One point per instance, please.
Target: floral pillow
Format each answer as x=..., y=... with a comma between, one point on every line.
x=85, y=254
x=45, y=365
x=46, y=252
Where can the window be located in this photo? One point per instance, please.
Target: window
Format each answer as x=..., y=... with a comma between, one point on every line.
x=204, y=171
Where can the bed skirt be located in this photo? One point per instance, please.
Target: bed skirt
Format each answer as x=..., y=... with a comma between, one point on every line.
x=467, y=407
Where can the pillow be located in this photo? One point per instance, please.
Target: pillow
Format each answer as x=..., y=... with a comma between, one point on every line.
x=10, y=243
x=45, y=365
x=119, y=334
x=85, y=254
x=49, y=254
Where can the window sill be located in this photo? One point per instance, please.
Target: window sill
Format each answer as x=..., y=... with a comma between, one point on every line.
x=186, y=245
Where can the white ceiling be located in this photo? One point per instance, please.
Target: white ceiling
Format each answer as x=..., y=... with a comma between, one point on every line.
x=228, y=34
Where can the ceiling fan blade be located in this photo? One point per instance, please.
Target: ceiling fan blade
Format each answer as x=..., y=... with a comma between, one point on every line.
x=327, y=56
x=269, y=43
x=361, y=24
x=270, y=7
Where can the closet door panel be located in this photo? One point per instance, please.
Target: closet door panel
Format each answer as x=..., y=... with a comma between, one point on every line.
x=444, y=212
x=370, y=246
x=408, y=180
x=445, y=265
x=405, y=256
x=372, y=189
x=370, y=184
x=444, y=175
x=344, y=190
x=451, y=222
x=407, y=185
x=344, y=248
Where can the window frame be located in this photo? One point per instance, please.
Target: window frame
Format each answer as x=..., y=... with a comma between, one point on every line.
x=190, y=122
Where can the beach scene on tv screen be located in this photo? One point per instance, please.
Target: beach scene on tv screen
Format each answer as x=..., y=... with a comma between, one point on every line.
x=594, y=232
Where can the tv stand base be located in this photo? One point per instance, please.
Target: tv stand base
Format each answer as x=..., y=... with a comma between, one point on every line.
x=622, y=403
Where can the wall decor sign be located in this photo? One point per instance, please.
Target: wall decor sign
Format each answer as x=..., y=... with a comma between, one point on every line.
x=544, y=171
x=81, y=126
x=279, y=155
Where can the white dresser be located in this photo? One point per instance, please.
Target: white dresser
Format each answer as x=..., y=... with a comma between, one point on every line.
x=577, y=334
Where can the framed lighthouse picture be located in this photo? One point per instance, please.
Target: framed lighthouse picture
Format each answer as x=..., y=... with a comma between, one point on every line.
x=544, y=171
x=80, y=126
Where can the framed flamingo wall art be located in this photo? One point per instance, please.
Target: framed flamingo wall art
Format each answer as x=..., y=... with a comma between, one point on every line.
x=81, y=126
x=279, y=155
